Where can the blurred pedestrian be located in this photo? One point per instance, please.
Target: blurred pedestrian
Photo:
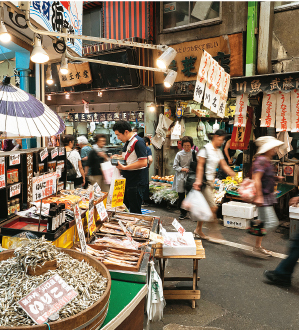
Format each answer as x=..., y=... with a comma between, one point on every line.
x=146, y=170
x=85, y=150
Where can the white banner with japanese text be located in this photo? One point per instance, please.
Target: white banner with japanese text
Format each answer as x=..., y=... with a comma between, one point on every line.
x=268, y=110
x=202, y=76
x=217, y=95
x=295, y=110
x=210, y=83
x=241, y=109
x=283, y=112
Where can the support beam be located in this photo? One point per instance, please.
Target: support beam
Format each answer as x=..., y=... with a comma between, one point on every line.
x=251, y=38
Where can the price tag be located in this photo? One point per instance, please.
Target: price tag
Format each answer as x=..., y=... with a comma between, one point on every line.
x=47, y=299
x=58, y=172
x=43, y=186
x=178, y=227
x=61, y=151
x=54, y=153
x=129, y=236
x=14, y=159
x=156, y=238
x=118, y=193
x=2, y=172
x=15, y=190
x=44, y=154
x=102, y=211
x=80, y=229
x=91, y=209
x=97, y=188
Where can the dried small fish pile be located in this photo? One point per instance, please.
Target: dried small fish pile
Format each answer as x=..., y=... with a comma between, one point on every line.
x=16, y=284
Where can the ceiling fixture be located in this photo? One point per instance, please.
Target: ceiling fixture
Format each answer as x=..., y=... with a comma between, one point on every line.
x=38, y=55
x=170, y=78
x=166, y=58
x=49, y=78
x=49, y=97
x=67, y=96
x=64, y=65
x=4, y=35
x=100, y=93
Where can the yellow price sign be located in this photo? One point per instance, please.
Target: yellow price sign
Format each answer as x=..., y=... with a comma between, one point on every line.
x=118, y=193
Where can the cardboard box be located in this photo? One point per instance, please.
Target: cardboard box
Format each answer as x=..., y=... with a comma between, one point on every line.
x=239, y=210
x=184, y=250
x=233, y=222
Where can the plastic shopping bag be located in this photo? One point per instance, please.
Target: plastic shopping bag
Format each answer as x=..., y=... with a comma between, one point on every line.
x=268, y=215
x=247, y=190
x=198, y=206
x=116, y=175
x=155, y=299
x=107, y=170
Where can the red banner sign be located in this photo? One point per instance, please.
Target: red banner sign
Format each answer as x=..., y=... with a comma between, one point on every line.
x=241, y=135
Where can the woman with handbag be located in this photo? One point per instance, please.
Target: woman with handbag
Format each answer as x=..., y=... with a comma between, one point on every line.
x=264, y=178
x=75, y=171
x=181, y=165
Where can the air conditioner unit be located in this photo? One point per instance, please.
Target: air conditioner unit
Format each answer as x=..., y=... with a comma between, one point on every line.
x=188, y=112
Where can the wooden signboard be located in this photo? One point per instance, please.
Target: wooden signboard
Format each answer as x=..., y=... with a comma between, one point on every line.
x=78, y=74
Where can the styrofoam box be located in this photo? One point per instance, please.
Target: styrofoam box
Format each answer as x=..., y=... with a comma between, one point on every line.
x=294, y=228
x=239, y=210
x=234, y=222
x=294, y=212
x=185, y=250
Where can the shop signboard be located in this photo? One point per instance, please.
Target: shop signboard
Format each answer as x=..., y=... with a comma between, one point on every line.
x=79, y=227
x=77, y=74
x=43, y=154
x=29, y=163
x=14, y=159
x=54, y=15
x=2, y=172
x=47, y=299
x=15, y=190
x=43, y=186
x=118, y=193
x=107, y=116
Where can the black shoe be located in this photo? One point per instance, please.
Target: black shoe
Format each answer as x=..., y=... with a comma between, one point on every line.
x=182, y=217
x=277, y=279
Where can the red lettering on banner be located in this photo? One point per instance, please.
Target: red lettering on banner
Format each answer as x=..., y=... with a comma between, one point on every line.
x=269, y=104
x=203, y=70
x=240, y=116
x=297, y=111
x=283, y=123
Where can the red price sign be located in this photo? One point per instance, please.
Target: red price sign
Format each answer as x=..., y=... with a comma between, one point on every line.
x=43, y=154
x=15, y=190
x=14, y=159
x=54, y=153
x=47, y=299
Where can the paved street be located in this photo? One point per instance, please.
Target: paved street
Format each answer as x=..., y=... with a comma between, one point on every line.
x=234, y=294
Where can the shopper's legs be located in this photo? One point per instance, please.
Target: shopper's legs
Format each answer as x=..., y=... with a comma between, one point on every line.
x=133, y=199
x=181, y=198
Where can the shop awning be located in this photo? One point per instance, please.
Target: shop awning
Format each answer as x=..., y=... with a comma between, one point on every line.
x=268, y=83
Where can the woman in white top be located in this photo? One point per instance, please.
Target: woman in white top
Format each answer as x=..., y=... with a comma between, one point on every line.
x=208, y=160
x=74, y=157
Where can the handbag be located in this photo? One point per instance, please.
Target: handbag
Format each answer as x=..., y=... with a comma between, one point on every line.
x=71, y=172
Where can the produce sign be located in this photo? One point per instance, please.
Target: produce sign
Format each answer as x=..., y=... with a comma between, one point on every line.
x=14, y=159
x=102, y=211
x=15, y=190
x=118, y=193
x=2, y=172
x=46, y=299
x=43, y=186
x=44, y=154
x=80, y=229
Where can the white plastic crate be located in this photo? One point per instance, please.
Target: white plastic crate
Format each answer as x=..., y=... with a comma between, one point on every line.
x=294, y=212
x=184, y=250
x=239, y=210
x=233, y=222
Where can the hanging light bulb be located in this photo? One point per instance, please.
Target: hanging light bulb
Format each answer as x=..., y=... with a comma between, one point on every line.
x=100, y=93
x=152, y=107
x=64, y=66
x=170, y=78
x=67, y=96
x=4, y=35
x=166, y=58
x=49, y=97
x=39, y=55
x=49, y=78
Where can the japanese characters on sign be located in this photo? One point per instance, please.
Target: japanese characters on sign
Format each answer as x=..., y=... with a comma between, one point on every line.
x=202, y=76
x=118, y=192
x=15, y=190
x=91, y=224
x=14, y=159
x=2, y=172
x=241, y=135
x=47, y=299
x=29, y=164
x=295, y=110
x=268, y=110
x=107, y=116
x=241, y=109
x=61, y=151
x=102, y=211
x=283, y=112
x=80, y=229
x=55, y=15
x=54, y=153
x=78, y=74
x=178, y=227
x=43, y=154
x=43, y=186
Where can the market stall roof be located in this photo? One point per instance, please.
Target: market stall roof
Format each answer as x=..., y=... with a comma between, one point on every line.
x=24, y=115
x=266, y=83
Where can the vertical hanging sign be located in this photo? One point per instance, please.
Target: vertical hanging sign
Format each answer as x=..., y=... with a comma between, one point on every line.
x=29, y=163
x=295, y=110
x=241, y=109
x=283, y=113
x=268, y=110
x=2, y=172
x=202, y=76
x=211, y=78
x=216, y=95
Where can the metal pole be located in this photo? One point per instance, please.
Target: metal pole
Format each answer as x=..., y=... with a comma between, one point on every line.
x=40, y=214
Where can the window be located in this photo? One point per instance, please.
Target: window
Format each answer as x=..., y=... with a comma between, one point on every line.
x=285, y=5
x=92, y=25
x=177, y=14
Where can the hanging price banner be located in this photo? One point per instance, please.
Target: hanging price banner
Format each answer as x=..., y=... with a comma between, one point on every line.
x=118, y=193
x=61, y=151
x=2, y=172
x=79, y=227
x=47, y=299
x=14, y=159
x=102, y=211
x=44, y=154
x=54, y=153
x=15, y=190
x=43, y=186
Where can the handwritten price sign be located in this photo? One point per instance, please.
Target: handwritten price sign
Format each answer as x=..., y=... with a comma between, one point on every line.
x=44, y=154
x=54, y=153
x=15, y=190
x=14, y=159
x=2, y=172
x=102, y=211
x=118, y=193
x=43, y=186
x=61, y=151
x=47, y=299
x=80, y=229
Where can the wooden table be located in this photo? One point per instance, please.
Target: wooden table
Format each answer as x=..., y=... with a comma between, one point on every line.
x=177, y=294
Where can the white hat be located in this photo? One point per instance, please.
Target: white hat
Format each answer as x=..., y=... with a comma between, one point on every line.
x=266, y=143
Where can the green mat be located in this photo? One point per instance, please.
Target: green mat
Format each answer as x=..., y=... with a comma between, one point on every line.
x=122, y=293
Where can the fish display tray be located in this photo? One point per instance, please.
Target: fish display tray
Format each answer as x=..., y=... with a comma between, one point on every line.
x=119, y=267
x=18, y=225
x=92, y=317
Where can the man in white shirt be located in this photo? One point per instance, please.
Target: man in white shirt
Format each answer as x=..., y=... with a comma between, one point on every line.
x=208, y=160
